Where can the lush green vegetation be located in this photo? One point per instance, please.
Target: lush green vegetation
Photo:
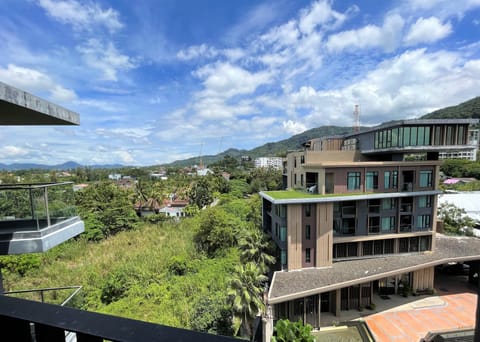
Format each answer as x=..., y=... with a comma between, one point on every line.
x=455, y=220
x=464, y=110
x=205, y=272
x=286, y=331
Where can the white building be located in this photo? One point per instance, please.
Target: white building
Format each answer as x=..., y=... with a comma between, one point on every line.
x=275, y=162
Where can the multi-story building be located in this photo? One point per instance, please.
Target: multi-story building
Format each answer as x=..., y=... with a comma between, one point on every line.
x=358, y=217
x=275, y=162
x=468, y=154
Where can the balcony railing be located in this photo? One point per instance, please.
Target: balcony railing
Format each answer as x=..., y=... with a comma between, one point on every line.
x=29, y=321
x=36, y=217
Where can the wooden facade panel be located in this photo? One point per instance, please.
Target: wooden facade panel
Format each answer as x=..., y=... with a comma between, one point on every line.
x=294, y=217
x=324, y=232
x=423, y=279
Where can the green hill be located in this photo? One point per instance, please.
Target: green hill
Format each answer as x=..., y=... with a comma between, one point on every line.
x=269, y=149
x=465, y=110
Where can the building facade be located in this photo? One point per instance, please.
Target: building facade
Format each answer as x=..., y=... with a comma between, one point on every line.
x=266, y=162
x=358, y=217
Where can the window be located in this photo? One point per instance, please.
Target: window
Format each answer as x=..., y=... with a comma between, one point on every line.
x=308, y=210
x=386, y=179
x=371, y=180
x=388, y=224
x=425, y=201
x=283, y=257
x=307, y=256
x=283, y=234
x=276, y=229
x=373, y=225
x=424, y=243
x=353, y=181
x=390, y=179
x=367, y=247
x=388, y=203
x=423, y=221
x=307, y=232
x=343, y=250
x=295, y=162
x=302, y=159
x=295, y=178
x=394, y=179
x=374, y=206
x=301, y=179
x=425, y=179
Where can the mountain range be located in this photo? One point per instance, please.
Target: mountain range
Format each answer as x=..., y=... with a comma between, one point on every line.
x=464, y=110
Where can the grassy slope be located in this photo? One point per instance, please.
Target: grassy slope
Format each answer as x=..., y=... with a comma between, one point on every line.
x=154, y=294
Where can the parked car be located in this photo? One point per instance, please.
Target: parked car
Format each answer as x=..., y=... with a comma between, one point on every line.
x=455, y=268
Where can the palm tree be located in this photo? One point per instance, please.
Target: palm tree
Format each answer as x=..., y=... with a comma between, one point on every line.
x=254, y=246
x=246, y=288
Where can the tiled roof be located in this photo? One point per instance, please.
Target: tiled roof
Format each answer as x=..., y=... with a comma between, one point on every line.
x=305, y=282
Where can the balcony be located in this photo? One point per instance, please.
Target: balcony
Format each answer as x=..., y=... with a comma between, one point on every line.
x=29, y=321
x=37, y=217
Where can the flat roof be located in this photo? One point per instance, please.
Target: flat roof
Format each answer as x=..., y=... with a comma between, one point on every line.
x=17, y=107
x=413, y=122
x=298, y=197
x=295, y=284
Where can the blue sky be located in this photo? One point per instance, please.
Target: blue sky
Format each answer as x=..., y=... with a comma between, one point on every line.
x=158, y=81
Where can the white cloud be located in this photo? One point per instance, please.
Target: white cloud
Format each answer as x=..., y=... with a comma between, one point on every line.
x=12, y=151
x=226, y=80
x=320, y=13
x=105, y=58
x=442, y=8
x=197, y=51
x=293, y=127
x=386, y=37
x=35, y=81
x=125, y=157
x=427, y=30
x=82, y=16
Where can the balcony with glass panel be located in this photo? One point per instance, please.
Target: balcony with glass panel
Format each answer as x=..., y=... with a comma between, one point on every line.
x=37, y=217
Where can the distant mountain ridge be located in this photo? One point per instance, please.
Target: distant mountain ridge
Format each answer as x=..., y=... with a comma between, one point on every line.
x=466, y=110
x=61, y=167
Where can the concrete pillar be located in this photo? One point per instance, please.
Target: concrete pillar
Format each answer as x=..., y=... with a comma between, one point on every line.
x=338, y=301
x=267, y=322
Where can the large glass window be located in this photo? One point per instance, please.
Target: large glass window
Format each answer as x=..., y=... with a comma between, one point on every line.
x=371, y=180
x=283, y=234
x=426, y=179
x=374, y=225
x=425, y=201
x=388, y=203
x=386, y=180
x=388, y=224
x=423, y=221
x=353, y=181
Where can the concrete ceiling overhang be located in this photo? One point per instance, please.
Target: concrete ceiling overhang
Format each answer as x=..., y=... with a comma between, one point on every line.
x=18, y=107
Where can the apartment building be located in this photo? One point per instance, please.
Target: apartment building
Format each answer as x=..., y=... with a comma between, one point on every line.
x=275, y=162
x=358, y=217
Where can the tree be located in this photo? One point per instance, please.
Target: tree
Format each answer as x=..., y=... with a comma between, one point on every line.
x=255, y=247
x=201, y=192
x=455, y=219
x=106, y=210
x=246, y=289
x=286, y=331
x=216, y=231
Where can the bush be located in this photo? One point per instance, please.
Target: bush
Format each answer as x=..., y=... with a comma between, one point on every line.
x=20, y=264
x=114, y=287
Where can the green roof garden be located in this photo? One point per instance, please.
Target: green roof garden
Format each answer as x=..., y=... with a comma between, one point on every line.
x=294, y=194
x=299, y=196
